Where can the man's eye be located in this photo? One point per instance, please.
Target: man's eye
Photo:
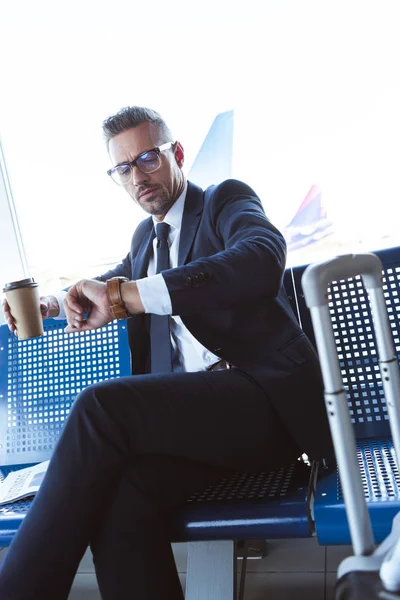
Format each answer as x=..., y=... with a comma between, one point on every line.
x=123, y=170
x=150, y=158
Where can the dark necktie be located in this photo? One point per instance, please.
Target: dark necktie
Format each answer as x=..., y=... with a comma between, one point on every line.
x=160, y=340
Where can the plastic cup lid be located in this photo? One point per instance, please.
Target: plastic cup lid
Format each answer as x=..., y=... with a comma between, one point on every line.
x=13, y=285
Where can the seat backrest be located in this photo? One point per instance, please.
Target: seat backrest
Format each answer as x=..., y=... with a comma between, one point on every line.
x=40, y=377
x=356, y=342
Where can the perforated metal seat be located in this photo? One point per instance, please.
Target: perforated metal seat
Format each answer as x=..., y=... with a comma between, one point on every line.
x=246, y=506
x=381, y=489
x=356, y=347
x=262, y=505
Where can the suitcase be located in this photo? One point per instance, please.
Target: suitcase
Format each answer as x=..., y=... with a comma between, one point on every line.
x=371, y=573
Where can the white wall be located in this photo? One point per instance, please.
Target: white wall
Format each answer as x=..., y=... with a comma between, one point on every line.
x=12, y=256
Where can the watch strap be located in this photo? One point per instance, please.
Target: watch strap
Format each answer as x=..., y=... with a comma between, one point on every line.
x=117, y=305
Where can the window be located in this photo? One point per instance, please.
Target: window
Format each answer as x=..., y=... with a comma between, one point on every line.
x=315, y=97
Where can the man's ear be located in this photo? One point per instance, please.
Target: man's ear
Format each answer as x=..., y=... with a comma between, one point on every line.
x=179, y=154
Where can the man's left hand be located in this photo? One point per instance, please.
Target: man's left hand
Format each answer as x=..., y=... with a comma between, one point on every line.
x=87, y=296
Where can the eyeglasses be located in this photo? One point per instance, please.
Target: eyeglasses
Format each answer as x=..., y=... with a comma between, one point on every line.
x=147, y=162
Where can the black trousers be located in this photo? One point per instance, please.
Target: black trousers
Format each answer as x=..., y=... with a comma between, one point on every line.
x=131, y=450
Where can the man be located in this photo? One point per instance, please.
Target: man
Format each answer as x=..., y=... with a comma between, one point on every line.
x=224, y=378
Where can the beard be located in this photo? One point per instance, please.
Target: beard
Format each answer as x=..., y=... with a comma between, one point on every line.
x=157, y=204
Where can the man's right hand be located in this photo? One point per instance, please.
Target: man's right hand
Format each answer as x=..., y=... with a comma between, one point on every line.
x=48, y=307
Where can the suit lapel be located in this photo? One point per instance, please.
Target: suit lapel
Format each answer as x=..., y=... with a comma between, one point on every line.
x=144, y=253
x=190, y=220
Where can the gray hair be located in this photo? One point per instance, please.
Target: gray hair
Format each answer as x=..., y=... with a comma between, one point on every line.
x=132, y=116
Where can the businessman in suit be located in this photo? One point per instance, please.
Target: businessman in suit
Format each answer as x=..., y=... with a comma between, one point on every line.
x=223, y=378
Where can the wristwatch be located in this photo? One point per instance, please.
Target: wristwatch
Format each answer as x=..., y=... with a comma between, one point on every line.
x=117, y=305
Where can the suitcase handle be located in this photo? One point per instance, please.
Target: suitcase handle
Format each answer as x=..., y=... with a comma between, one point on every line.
x=318, y=276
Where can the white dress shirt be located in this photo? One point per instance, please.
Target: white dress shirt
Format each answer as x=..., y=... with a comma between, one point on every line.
x=188, y=353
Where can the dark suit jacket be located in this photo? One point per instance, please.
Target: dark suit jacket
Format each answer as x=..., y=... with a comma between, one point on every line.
x=228, y=291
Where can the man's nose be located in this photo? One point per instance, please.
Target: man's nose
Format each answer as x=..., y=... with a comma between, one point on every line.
x=138, y=177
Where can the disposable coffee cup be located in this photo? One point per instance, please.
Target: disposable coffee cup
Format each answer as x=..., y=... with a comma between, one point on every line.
x=24, y=302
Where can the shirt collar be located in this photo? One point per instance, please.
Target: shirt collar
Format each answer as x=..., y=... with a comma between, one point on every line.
x=175, y=213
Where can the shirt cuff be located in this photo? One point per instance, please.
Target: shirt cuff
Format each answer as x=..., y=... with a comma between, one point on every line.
x=60, y=297
x=154, y=295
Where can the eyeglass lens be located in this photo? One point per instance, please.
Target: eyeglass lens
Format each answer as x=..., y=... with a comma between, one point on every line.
x=147, y=162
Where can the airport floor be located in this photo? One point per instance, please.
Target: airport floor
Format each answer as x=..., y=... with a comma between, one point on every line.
x=292, y=570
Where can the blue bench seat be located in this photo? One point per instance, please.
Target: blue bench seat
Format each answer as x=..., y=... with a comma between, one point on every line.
x=262, y=505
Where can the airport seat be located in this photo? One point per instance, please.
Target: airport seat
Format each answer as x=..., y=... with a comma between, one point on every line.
x=39, y=380
x=356, y=345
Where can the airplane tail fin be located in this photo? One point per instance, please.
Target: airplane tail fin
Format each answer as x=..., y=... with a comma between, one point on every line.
x=310, y=223
x=310, y=210
x=213, y=162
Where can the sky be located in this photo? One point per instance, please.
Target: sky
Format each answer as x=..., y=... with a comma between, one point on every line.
x=314, y=86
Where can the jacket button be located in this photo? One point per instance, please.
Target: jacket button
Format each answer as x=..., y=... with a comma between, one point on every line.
x=188, y=281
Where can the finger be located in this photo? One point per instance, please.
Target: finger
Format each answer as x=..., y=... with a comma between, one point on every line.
x=73, y=319
x=6, y=308
x=75, y=323
x=76, y=327
x=9, y=319
x=8, y=316
x=70, y=329
x=44, y=309
x=71, y=305
x=12, y=327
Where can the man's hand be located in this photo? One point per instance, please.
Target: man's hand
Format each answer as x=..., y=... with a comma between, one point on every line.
x=48, y=307
x=87, y=296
